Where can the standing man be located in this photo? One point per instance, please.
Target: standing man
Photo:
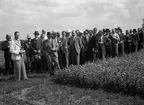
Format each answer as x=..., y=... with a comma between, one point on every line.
x=36, y=51
x=28, y=49
x=135, y=39
x=122, y=41
x=116, y=42
x=141, y=38
x=47, y=53
x=55, y=47
x=107, y=43
x=75, y=46
x=65, y=49
x=94, y=45
x=102, y=45
x=42, y=61
x=7, y=55
x=17, y=57
x=85, y=42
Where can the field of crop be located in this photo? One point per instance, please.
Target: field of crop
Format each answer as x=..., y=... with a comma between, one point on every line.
x=121, y=74
x=116, y=81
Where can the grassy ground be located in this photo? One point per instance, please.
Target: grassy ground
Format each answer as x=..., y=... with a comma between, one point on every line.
x=42, y=90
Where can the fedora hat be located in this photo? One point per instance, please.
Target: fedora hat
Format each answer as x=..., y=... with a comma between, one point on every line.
x=36, y=33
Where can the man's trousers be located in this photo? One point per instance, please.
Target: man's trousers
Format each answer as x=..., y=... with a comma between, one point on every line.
x=19, y=69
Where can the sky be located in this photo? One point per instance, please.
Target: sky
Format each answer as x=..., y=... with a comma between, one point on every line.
x=26, y=16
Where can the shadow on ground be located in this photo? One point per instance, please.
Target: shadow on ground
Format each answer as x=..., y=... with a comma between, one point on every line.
x=109, y=88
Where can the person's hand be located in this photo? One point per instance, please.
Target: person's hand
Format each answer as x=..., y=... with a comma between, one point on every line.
x=22, y=51
x=53, y=49
x=35, y=51
x=39, y=51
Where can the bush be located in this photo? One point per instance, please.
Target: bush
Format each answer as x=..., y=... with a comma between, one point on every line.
x=124, y=73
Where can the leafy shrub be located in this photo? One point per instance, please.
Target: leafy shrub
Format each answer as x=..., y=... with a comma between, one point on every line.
x=124, y=73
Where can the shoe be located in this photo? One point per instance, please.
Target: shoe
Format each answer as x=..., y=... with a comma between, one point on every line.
x=17, y=80
x=26, y=79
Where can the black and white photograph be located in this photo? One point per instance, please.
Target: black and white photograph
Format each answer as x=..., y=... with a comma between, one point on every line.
x=71, y=52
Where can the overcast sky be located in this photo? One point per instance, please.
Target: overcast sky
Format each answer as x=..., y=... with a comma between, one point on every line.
x=26, y=16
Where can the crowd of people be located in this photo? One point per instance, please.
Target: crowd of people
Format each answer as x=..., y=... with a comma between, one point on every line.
x=60, y=50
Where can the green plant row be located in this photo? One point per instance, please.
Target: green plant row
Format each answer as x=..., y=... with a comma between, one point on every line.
x=124, y=73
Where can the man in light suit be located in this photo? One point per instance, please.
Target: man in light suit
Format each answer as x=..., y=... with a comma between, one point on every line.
x=65, y=49
x=17, y=57
x=55, y=48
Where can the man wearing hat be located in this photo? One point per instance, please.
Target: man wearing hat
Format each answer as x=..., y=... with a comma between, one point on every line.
x=7, y=55
x=36, y=52
x=47, y=52
x=135, y=39
x=28, y=49
x=108, y=43
x=94, y=45
x=43, y=35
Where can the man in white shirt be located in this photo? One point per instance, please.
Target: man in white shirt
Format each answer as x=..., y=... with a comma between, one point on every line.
x=17, y=57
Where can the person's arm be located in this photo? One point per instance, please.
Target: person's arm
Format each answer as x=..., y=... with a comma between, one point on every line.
x=138, y=37
x=3, y=46
x=80, y=43
x=118, y=37
x=44, y=47
x=33, y=46
x=57, y=45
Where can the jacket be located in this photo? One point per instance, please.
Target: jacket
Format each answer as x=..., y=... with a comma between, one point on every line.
x=15, y=48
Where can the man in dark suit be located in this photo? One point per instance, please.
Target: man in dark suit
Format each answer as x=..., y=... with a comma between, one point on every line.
x=107, y=43
x=7, y=55
x=85, y=42
x=83, y=52
x=129, y=41
x=135, y=39
x=75, y=46
x=42, y=39
x=47, y=52
x=141, y=37
x=94, y=45
x=28, y=49
x=36, y=51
